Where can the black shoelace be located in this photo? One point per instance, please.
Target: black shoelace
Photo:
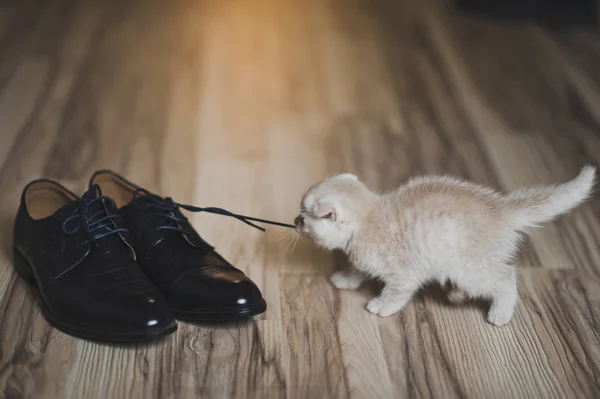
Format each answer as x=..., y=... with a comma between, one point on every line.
x=166, y=207
x=98, y=224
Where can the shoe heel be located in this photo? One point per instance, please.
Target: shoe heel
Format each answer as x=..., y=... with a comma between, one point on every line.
x=22, y=268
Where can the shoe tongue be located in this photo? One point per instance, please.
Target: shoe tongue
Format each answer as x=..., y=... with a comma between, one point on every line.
x=92, y=193
x=97, y=210
x=141, y=195
x=95, y=206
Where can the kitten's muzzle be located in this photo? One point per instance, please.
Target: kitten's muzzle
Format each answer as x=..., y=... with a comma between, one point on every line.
x=299, y=222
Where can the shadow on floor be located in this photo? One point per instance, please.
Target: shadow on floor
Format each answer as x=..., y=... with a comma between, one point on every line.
x=553, y=13
x=431, y=291
x=6, y=236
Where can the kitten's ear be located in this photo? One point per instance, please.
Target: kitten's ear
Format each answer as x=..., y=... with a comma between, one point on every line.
x=325, y=209
x=348, y=176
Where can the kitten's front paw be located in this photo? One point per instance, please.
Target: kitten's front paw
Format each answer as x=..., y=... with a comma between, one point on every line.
x=343, y=281
x=499, y=317
x=381, y=308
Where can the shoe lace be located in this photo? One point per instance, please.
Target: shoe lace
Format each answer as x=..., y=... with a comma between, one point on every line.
x=97, y=224
x=166, y=207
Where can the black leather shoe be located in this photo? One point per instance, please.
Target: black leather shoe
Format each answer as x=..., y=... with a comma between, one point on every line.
x=74, y=251
x=196, y=281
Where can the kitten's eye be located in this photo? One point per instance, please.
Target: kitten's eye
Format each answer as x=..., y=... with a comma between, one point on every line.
x=328, y=216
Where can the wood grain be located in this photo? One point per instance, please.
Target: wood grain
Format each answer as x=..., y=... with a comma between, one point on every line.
x=243, y=105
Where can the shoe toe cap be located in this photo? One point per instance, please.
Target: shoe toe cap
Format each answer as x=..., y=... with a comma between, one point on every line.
x=135, y=312
x=147, y=310
x=217, y=290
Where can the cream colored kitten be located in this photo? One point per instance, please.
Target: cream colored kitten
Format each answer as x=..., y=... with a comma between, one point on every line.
x=432, y=228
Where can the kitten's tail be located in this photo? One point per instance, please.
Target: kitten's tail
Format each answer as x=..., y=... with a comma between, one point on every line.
x=534, y=205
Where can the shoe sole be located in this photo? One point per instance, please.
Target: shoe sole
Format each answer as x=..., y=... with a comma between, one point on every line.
x=221, y=315
x=24, y=271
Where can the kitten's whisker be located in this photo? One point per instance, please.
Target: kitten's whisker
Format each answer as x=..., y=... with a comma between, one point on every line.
x=283, y=237
x=289, y=242
x=295, y=242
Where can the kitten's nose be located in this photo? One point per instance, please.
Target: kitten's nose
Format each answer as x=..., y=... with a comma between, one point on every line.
x=299, y=220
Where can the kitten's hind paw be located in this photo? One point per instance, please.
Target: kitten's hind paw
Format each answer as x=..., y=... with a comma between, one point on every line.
x=344, y=280
x=457, y=297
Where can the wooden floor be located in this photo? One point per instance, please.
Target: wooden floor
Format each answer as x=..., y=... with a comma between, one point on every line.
x=244, y=104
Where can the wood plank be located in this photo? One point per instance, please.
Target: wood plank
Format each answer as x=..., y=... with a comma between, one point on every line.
x=25, y=157
x=364, y=359
x=33, y=29
x=20, y=100
x=523, y=147
x=315, y=366
x=549, y=350
x=89, y=361
x=244, y=105
x=6, y=14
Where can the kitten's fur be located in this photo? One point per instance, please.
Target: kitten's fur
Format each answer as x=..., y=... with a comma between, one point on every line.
x=433, y=228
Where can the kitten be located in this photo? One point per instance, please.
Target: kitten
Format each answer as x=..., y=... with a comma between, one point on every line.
x=432, y=228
